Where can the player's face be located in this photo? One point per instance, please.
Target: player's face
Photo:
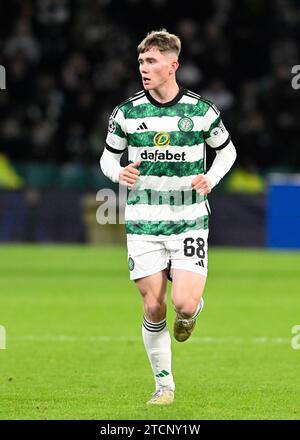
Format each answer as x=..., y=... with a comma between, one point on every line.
x=156, y=68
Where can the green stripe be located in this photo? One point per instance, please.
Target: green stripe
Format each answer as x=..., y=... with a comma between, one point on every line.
x=171, y=198
x=177, y=138
x=144, y=227
x=178, y=110
x=206, y=134
x=118, y=131
x=169, y=169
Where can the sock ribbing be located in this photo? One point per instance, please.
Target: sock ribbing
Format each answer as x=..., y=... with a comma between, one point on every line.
x=154, y=326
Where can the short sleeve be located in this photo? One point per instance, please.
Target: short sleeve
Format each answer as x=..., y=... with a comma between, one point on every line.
x=116, y=136
x=215, y=133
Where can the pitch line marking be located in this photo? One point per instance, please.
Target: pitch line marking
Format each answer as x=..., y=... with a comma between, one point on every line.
x=196, y=340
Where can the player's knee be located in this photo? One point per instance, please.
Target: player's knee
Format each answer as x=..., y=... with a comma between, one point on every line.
x=186, y=309
x=155, y=310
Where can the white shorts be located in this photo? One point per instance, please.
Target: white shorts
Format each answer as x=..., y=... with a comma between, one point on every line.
x=189, y=252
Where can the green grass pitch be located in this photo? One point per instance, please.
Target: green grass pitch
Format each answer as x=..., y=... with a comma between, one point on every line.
x=75, y=351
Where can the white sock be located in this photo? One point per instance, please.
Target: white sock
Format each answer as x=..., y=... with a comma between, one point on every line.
x=157, y=342
x=199, y=308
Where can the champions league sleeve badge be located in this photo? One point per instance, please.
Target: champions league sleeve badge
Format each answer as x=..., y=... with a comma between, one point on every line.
x=111, y=125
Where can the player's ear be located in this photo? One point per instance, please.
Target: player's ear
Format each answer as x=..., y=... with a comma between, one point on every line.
x=174, y=66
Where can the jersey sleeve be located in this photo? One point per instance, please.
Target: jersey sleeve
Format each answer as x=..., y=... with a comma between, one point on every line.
x=116, y=141
x=215, y=133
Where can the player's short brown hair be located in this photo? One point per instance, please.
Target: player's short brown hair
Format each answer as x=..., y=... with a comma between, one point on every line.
x=163, y=40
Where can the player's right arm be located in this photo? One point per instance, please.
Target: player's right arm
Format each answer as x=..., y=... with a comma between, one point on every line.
x=116, y=145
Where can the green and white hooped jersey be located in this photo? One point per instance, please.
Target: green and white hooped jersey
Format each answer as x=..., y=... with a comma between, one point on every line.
x=169, y=139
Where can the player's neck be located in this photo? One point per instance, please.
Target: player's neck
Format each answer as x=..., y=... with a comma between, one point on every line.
x=165, y=93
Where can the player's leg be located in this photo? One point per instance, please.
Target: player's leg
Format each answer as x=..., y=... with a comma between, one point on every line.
x=153, y=289
x=186, y=295
x=156, y=335
x=189, y=271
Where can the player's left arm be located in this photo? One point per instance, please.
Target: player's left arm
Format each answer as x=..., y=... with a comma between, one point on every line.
x=218, y=138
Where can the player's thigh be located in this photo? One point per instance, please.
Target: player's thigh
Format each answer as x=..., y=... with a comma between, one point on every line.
x=189, y=266
x=190, y=252
x=147, y=262
x=187, y=290
x=153, y=289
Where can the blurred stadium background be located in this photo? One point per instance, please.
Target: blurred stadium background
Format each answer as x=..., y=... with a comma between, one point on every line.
x=68, y=64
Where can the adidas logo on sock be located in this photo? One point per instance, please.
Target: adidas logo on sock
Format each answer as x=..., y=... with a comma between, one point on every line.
x=143, y=126
x=163, y=373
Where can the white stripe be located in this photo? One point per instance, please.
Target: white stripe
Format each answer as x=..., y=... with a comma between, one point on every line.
x=135, y=96
x=261, y=340
x=191, y=154
x=165, y=212
x=116, y=109
x=188, y=100
x=195, y=95
x=143, y=100
x=163, y=123
x=165, y=183
x=132, y=98
x=184, y=100
x=154, y=324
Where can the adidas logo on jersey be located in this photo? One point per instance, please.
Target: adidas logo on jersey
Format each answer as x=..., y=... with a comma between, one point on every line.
x=143, y=126
x=162, y=155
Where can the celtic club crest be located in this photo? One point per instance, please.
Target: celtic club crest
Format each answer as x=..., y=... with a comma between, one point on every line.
x=130, y=264
x=185, y=124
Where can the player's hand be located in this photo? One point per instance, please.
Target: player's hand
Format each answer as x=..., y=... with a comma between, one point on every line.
x=128, y=175
x=202, y=185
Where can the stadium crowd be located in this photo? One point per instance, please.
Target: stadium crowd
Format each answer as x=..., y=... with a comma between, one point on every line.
x=69, y=63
